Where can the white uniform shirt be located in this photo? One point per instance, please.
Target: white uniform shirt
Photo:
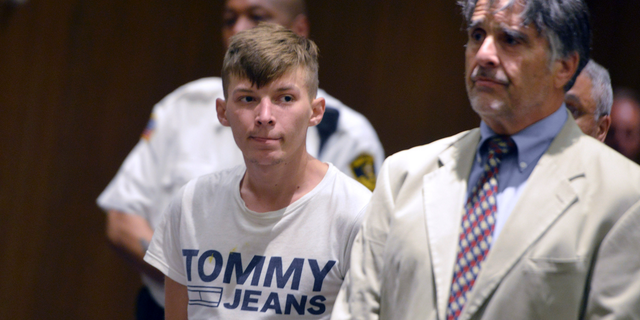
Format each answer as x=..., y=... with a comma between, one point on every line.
x=184, y=140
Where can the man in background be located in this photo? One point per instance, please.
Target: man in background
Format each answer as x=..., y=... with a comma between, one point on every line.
x=184, y=140
x=624, y=135
x=590, y=99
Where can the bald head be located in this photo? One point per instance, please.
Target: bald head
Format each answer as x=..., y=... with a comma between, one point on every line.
x=241, y=15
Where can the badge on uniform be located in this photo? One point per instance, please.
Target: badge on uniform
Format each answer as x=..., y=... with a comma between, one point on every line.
x=363, y=169
x=148, y=130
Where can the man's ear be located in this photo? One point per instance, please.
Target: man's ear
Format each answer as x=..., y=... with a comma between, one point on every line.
x=603, y=127
x=565, y=69
x=221, y=108
x=317, y=109
x=300, y=25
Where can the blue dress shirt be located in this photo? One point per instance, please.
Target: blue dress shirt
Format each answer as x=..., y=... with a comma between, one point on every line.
x=516, y=167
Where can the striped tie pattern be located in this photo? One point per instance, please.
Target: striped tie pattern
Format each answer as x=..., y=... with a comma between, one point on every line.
x=476, y=230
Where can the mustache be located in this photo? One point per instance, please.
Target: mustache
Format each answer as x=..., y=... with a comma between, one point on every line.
x=495, y=75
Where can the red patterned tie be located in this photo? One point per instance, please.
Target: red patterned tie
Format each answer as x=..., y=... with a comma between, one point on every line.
x=476, y=230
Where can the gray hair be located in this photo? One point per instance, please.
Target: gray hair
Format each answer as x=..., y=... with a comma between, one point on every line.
x=601, y=91
x=565, y=24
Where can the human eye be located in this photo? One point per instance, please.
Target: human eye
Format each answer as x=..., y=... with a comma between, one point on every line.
x=229, y=19
x=575, y=112
x=287, y=98
x=510, y=40
x=258, y=18
x=476, y=35
x=246, y=99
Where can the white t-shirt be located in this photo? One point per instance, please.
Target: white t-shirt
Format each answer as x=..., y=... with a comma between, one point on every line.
x=240, y=264
x=184, y=140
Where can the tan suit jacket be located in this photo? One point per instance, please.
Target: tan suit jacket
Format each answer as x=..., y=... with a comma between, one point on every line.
x=569, y=250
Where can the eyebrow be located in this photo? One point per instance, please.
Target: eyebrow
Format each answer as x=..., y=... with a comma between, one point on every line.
x=286, y=88
x=248, y=90
x=242, y=90
x=571, y=97
x=516, y=34
x=475, y=23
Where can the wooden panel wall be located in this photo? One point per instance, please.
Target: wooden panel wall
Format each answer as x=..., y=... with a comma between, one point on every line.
x=78, y=80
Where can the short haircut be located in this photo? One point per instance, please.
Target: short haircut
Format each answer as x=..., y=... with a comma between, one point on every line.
x=265, y=53
x=601, y=91
x=565, y=24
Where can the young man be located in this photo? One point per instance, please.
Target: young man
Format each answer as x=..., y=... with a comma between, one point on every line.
x=270, y=238
x=523, y=218
x=184, y=140
x=590, y=100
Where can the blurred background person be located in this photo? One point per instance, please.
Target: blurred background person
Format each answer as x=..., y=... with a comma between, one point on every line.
x=624, y=134
x=184, y=140
x=590, y=99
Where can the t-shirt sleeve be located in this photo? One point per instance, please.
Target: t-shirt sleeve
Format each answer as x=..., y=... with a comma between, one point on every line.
x=165, y=252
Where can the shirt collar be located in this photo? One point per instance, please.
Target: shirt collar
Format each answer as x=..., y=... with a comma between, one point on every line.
x=532, y=141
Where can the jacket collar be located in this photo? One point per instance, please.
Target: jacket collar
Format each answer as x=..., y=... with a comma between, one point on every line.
x=547, y=196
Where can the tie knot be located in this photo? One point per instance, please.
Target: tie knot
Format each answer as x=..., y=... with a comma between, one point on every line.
x=501, y=145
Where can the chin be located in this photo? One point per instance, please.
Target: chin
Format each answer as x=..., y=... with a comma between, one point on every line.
x=486, y=106
x=265, y=161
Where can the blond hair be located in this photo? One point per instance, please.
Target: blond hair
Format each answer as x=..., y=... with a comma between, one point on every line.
x=265, y=53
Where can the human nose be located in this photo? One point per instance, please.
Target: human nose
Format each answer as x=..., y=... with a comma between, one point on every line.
x=264, y=113
x=487, y=54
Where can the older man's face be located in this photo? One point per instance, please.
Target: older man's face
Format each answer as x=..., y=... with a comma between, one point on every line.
x=508, y=77
x=580, y=102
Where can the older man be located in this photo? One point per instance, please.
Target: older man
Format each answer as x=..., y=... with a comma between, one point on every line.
x=523, y=218
x=590, y=100
x=184, y=140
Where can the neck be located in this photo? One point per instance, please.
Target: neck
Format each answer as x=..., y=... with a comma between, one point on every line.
x=267, y=188
x=513, y=123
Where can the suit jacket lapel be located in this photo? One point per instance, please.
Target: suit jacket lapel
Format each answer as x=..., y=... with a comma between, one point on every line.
x=444, y=193
x=547, y=195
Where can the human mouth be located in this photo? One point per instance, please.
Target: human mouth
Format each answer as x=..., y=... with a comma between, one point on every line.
x=264, y=139
x=487, y=82
x=482, y=78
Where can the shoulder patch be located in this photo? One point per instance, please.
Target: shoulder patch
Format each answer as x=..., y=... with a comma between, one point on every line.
x=148, y=130
x=363, y=170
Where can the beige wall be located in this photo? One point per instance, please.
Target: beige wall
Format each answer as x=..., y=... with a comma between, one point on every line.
x=78, y=80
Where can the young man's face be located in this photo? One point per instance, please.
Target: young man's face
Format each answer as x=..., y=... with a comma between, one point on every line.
x=507, y=64
x=270, y=124
x=241, y=15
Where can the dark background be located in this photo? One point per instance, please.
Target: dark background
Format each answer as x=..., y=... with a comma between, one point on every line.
x=78, y=80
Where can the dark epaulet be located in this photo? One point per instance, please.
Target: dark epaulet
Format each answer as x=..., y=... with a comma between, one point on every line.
x=327, y=126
